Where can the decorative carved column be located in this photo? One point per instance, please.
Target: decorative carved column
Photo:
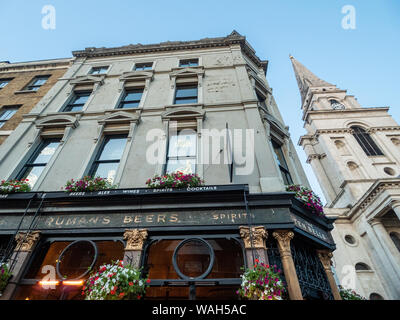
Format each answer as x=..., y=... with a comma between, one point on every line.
x=23, y=249
x=257, y=246
x=325, y=257
x=387, y=244
x=283, y=237
x=135, y=239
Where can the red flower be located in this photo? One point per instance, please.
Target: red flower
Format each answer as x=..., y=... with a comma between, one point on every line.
x=122, y=294
x=138, y=297
x=148, y=280
x=130, y=283
x=112, y=292
x=257, y=261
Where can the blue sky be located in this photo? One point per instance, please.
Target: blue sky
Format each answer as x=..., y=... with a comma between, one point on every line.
x=364, y=61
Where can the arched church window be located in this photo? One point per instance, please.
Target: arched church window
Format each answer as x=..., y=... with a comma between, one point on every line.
x=375, y=296
x=336, y=105
x=366, y=142
x=362, y=266
x=396, y=239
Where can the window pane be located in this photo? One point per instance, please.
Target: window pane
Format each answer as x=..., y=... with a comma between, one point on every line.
x=127, y=105
x=81, y=98
x=106, y=170
x=3, y=83
x=133, y=95
x=144, y=66
x=183, y=92
x=46, y=153
x=7, y=114
x=189, y=63
x=182, y=145
x=186, y=100
x=39, y=81
x=99, y=70
x=33, y=174
x=113, y=149
x=186, y=166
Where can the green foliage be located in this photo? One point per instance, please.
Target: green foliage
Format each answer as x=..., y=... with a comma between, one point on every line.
x=115, y=282
x=14, y=186
x=87, y=184
x=263, y=282
x=5, y=275
x=348, y=294
x=175, y=180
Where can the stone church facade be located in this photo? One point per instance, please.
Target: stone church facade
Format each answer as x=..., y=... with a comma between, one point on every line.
x=354, y=152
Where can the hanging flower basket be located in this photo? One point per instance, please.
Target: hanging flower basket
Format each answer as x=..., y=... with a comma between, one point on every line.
x=115, y=282
x=174, y=180
x=308, y=198
x=88, y=184
x=261, y=283
x=5, y=275
x=348, y=294
x=14, y=186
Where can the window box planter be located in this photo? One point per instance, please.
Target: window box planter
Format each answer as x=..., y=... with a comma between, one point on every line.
x=88, y=184
x=174, y=180
x=308, y=198
x=14, y=186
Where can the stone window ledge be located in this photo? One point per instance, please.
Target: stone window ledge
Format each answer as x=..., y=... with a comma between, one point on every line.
x=25, y=91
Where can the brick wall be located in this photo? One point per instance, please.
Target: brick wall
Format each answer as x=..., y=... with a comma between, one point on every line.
x=9, y=94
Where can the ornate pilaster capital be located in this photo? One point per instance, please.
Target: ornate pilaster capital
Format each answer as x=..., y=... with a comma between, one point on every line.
x=325, y=257
x=26, y=242
x=395, y=204
x=283, y=237
x=258, y=235
x=375, y=222
x=135, y=239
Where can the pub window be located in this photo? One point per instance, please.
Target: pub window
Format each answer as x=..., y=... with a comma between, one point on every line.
x=189, y=63
x=69, y=259
x=4, y=82
x=36, y=83
x=365, y=141
x=396, y=239
x=99, y=70
x=77, y=101
x=35, y=165
x=143, y=66
x=108, y=158
x=185, y=94
x=6, y=113
x=181, y=154
x=131, y=98
x=212, y=264
x=283, y=167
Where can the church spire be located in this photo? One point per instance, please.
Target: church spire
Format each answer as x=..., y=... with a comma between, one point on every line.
x=306, y=79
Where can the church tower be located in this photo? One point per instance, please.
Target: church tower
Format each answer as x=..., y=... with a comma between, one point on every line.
x=355, y=154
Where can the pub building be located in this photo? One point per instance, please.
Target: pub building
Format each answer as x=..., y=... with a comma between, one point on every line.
x=191, y=242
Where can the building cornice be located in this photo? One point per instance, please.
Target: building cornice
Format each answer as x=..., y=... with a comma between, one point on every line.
x=35, y=65
x=343, y=130
x=372, y=193
x=307, y=113
x=232, y=39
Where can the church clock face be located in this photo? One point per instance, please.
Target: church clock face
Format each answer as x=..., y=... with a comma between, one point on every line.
x=337, y=105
